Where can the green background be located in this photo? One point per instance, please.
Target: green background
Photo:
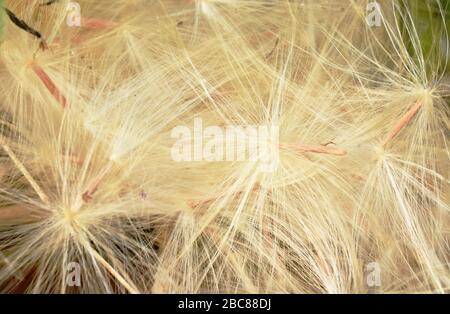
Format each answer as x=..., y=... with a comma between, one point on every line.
x=432, y=23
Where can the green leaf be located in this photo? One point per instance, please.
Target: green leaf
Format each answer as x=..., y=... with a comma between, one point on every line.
x=432, y=22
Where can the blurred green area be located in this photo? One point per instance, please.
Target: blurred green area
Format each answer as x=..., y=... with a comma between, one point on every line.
x=431, y=19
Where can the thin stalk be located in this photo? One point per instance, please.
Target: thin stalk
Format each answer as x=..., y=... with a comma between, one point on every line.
x=52, y=88
x=403, y=121
x=319, y=149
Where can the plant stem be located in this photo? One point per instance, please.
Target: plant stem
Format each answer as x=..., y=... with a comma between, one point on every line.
x=52, y=88
x=403, y=121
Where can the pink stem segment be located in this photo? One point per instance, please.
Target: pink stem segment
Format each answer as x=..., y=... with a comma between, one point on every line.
x=98, y=24
x=404, y=121
x=52, y=88
x=194, y=204
x=94, y=183
x=319, y=149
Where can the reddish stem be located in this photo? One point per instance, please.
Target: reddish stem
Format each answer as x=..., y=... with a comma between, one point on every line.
x=319, y=149
x=404, y=121
x=94, y=183
x=193, y=204
x=52, y=88
x=98, y=23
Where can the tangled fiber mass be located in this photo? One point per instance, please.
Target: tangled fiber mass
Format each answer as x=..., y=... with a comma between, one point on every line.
x=88, y=178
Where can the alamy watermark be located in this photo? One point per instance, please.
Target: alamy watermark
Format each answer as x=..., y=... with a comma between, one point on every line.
x=73, y=276
x=73, y=14
x=373, y=278
x=374, y=15
x=259, y=144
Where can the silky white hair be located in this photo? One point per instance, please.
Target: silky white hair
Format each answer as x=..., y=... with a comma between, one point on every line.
x=86, y=174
